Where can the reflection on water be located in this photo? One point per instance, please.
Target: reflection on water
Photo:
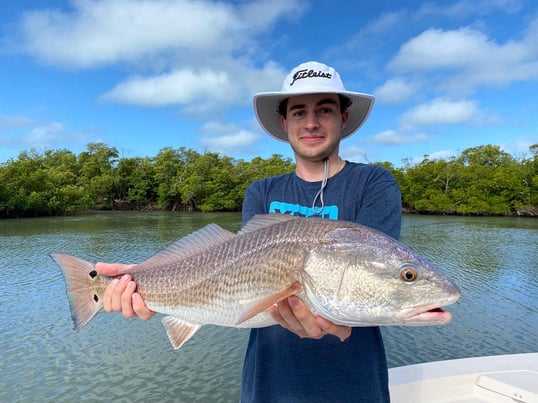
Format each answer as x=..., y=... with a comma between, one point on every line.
x=493, y=260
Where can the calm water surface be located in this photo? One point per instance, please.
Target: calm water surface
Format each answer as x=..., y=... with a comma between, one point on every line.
x=494, y=260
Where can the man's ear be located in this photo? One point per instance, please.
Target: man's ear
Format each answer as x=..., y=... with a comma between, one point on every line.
x=345, y=117
x=284, y=123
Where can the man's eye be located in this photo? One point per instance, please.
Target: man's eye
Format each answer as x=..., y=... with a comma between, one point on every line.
x=298, y=113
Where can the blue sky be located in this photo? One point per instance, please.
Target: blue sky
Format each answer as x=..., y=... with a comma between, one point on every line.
x=144, y=75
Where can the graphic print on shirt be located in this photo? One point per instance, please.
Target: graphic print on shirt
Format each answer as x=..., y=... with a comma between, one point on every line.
x=330, y=212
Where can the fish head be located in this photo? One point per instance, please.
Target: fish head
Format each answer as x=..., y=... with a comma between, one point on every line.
x=361, y=277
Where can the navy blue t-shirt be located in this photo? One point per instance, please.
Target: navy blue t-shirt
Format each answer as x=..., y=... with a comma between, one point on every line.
x=280, y=366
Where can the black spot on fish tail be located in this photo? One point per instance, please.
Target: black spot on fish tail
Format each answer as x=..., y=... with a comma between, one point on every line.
x=83, y=293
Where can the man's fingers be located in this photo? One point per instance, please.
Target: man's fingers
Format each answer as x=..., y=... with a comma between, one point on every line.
x=293, y=315
x=283, y=315
x=107, y=298
x=340, y=331
x=127, y=300
x=112, y=299
x=140, y=308
x=345, y=333
x=112, y=269
x=305, y=320
x=120, y=295
x=291, y=321
x=275, y=314
x=117, y=291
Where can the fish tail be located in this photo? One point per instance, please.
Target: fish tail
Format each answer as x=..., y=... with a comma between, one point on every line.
x=85, y=288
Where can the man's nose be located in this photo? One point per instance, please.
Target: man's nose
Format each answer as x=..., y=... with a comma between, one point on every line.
x=312, y=121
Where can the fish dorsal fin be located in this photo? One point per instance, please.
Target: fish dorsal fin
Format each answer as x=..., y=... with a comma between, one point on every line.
x=190, y=245
x=258, y=306
x=261, y=221
x=179, y=332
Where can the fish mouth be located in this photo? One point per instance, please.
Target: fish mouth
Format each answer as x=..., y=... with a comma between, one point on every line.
x=434, y=316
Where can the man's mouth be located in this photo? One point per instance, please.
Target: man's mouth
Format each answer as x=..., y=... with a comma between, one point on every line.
x=309, y=139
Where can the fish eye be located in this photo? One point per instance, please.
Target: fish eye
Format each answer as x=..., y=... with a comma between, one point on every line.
x=408, y=274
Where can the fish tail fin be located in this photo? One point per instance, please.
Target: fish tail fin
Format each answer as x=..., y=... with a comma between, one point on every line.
x=85, y=288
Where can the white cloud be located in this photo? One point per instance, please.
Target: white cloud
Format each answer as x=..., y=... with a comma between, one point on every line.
x=227, y=139
x=395, y=90
x=177, y=87
x=436, y=156
x=14, y=122
x=25, y=133
x=435, y=48
x=200, y=92
x=37, y=135
x=354, y=153
x=393, y=137
x=402, y=21
x=465, y=8
x=520, y=147
x=468, y=58
x=439, y=111
x=443, y=154
x=201, y=56
x=46, y=134
x=96, y=33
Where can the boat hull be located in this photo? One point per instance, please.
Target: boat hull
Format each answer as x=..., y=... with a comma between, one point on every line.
x=498, y=379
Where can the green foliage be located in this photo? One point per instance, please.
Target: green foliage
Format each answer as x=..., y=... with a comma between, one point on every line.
x=60, y=182
x=97, y=166
x=42, y=184
x=134, y=181
x=481, y=180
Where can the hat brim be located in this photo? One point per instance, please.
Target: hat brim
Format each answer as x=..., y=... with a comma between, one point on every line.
x=266, y=109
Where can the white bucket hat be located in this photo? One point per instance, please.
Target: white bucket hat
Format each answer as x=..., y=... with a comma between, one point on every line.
x=310, y=78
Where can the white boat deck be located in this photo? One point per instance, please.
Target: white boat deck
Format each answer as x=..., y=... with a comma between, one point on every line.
x=494, y=379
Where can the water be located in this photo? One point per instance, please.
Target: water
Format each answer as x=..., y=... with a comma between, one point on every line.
x=495, y=263
x=494, y=260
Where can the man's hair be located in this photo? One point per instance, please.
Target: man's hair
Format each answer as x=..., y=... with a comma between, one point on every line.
x=345, y=103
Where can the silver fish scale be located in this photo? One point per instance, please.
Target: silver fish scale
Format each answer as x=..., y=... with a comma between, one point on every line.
x=215, y=285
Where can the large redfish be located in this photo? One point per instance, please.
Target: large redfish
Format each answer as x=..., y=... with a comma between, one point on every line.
x=345, y=272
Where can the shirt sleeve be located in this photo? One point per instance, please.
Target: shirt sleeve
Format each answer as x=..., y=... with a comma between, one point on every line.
x=253, y=202
x=381, y=203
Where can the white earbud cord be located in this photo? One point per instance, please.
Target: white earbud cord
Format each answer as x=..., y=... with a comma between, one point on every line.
x=319, y=195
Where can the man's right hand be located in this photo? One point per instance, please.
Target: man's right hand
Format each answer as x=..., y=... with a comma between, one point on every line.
x=121, y=295
x=294, y=315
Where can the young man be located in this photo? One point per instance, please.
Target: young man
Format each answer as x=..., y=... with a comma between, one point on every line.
x=301, y=360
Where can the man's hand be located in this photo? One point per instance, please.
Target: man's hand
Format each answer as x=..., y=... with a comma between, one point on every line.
x=293, y=315
x=121, y=295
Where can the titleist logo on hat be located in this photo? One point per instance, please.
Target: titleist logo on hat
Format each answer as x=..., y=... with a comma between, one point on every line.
x=305, y=73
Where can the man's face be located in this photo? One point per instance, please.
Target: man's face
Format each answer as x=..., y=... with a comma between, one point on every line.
x=314, y=123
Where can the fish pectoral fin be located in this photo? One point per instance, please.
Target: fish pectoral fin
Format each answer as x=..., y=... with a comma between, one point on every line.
x=179, y=332
x=258, y=306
